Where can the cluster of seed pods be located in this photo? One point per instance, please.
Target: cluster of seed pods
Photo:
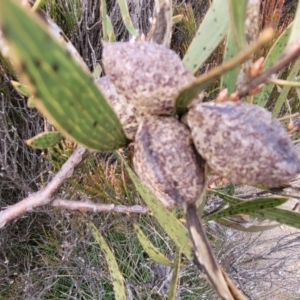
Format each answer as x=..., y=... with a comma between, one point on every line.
x=237, y=140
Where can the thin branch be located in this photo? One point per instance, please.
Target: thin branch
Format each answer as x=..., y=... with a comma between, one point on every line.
x=191, y=91
x=96, y=207
x=282, y=82
x=291, y=53
x=46, y=195
x=288, y=117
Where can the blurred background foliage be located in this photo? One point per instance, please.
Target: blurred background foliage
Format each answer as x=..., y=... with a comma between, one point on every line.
x=51, y=254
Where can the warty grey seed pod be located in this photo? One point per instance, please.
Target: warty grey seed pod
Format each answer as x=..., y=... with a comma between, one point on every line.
x=165, y=161
x=124, y=110
x=147, y=74
x=243, y=142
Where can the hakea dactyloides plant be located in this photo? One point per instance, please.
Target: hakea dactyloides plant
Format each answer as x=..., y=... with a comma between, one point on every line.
x=138, y=101
x=237, y=140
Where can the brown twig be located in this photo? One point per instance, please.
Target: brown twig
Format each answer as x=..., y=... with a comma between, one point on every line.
x=291, y=53
x=46, y=195
x=97, y=207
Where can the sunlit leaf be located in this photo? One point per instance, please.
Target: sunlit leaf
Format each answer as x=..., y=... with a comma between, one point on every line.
x=103, y=12
x=273, y=55
x=247, y=207
x=295, y=34
x=279, y=215
x=64, y=92
x=190, y=91
x=209, y=35
x=150, y=249
x=21, y=88
x=177, y=232
x=44, y=140
x=110, y=30
x=237, y=11
x=285, y=90
x=282, y=216
x=126, y=17
x=235, y=41
x=116, y=276
x=228, y=80
x=175, y=276
x=254, y=228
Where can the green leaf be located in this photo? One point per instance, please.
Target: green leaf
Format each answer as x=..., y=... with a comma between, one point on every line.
x=150, y=249
x=285, y=90
x=64, y=92
x=272, y=57
x=281, y=216
x=229, y=79
x=235, y=42
x=44, y=140
x=97, y=71
x=191, y=91
x=176, y=19
x=237, y=11
x=38, y=4
x=209, y=35
x=295, y=34
x=110, y=30
x=247, y=207
x=175, y=276
x=126, y=18
x=177, y=232
x=103, y=13
x=21, y=88
x=116, y=276
x=236, y=226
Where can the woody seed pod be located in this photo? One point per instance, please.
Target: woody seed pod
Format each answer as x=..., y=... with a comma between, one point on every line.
x=147, y=74
x=243, y=142
x=124, y=110
x=166, y=163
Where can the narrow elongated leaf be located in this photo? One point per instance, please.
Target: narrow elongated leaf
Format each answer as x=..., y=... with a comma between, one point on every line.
x=21, y=88
x=177, y=19
x=235, y=41
x=44, y=140
x=209, y=35
x=281, y=216
x=190, y=92
x=110, y=30
x=177, y=232
x=64, y=92
x=235, y=200
x=295, y=34
x=229, y=79
x=175, y=276
x=150, y=249
x=273, y=56
x=116, y=276
x=247, y=207
x=97, y=71
x=237, y=11
x=284, y=92
x=236, y=226
x=103, y=13
x=38, y=4
x=126, y=18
